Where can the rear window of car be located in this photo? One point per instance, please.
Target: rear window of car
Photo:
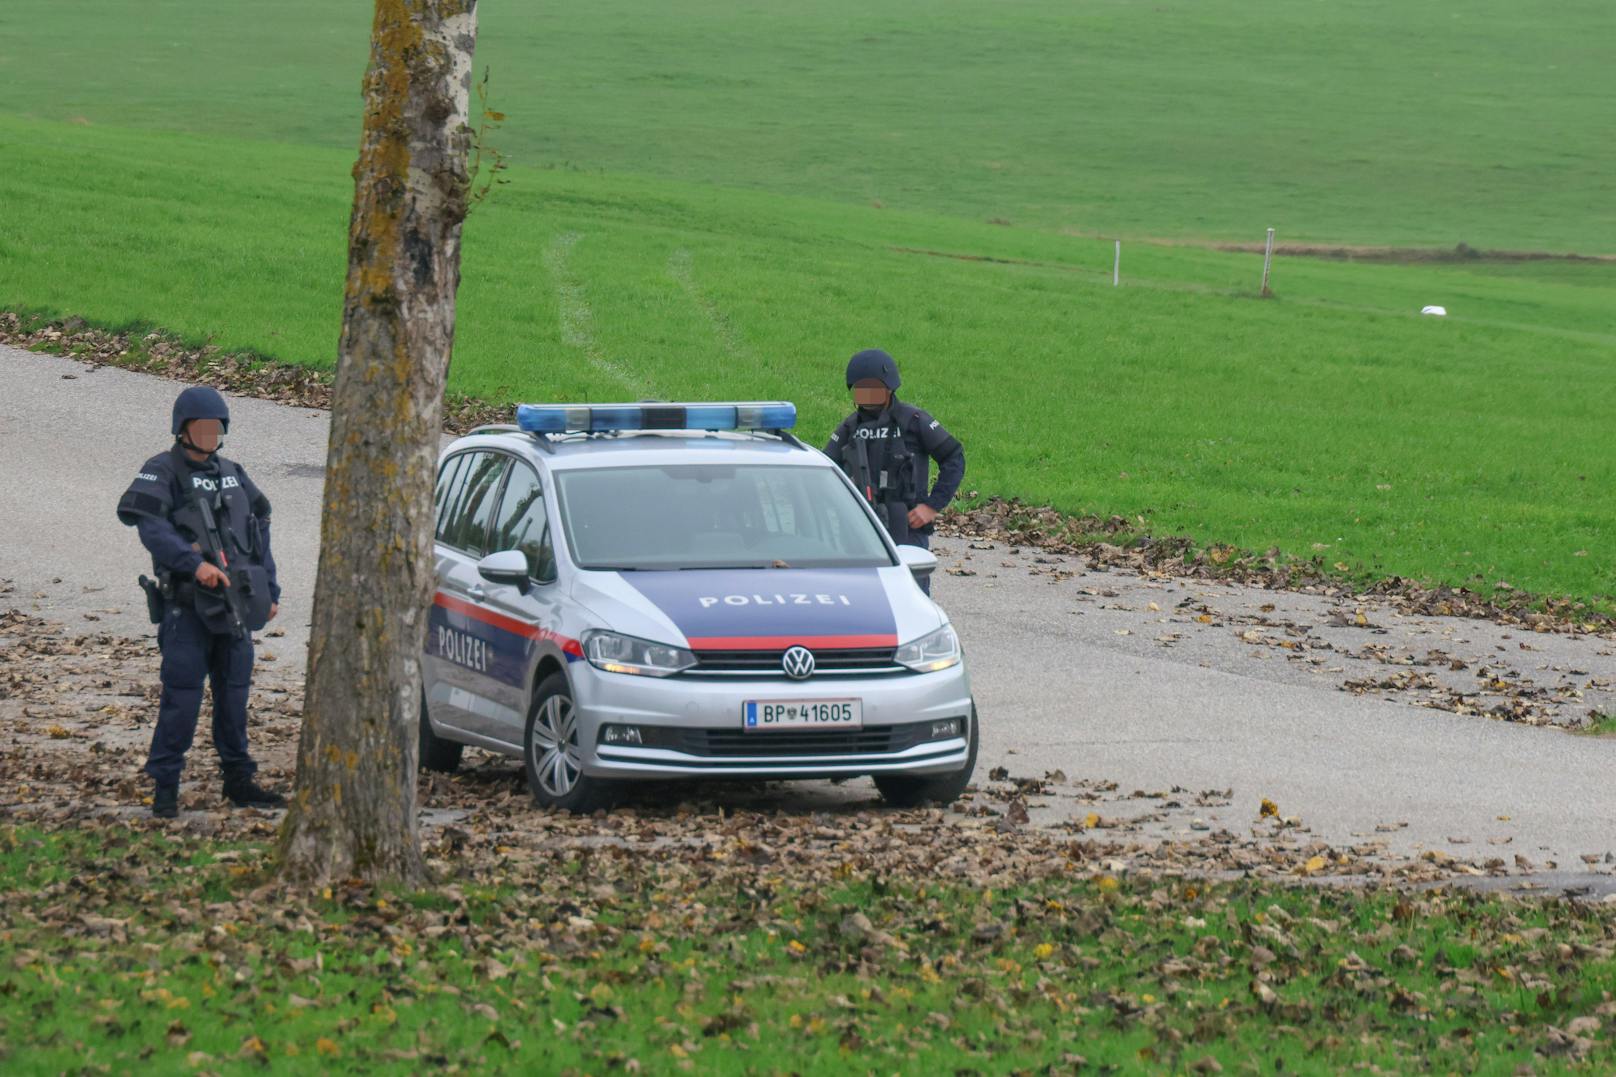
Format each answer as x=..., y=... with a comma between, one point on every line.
x=469, y=503
x=448, y=485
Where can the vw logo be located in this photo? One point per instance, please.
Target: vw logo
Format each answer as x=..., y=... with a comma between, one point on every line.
x=798, y=662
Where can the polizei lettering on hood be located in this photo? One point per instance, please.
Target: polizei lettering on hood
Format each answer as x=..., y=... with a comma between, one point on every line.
x=721, y=608
x=791, y=599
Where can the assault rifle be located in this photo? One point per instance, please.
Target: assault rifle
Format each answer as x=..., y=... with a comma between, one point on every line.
x=212, y=541
x=873, y=484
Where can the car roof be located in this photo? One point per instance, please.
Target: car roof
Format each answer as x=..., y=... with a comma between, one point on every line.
x=644, y=448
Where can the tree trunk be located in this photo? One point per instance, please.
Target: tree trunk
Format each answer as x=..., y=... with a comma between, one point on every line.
x=353, y=807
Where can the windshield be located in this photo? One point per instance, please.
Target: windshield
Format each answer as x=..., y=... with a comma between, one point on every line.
x=716, y=516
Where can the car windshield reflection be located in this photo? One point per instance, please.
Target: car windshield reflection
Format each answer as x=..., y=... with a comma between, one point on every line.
x=705, y=516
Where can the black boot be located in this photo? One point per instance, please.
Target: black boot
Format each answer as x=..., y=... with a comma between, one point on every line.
x=246, y=793
x=166, y=802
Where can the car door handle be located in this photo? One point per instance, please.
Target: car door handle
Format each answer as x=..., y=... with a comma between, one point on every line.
x=475, y=592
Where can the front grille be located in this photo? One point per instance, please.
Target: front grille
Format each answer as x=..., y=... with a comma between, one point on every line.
x=829, y=660
x=720, y=743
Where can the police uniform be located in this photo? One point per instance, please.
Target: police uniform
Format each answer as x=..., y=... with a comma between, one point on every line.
x=197, y=634
x=888, y=453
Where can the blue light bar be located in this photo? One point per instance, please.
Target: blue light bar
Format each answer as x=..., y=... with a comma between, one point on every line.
x=601, y=418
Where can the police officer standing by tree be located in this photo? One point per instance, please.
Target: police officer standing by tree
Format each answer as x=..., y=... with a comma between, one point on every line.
x=886, y=447
x=207, y=528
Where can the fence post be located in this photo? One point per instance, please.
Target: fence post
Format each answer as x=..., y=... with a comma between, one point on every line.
x=1267, y=261
x=1116, y=267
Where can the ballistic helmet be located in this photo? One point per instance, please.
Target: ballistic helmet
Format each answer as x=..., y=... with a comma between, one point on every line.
x=199, y=402
x=873, y=363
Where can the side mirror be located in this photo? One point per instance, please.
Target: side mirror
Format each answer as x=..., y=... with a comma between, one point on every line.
x=507, y=567
x=921, y=561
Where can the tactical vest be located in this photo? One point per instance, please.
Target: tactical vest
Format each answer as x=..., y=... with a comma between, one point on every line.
x=228, y=497
x=225, y=488
x=887, y=470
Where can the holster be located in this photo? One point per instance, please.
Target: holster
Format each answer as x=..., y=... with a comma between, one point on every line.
x=154, y=599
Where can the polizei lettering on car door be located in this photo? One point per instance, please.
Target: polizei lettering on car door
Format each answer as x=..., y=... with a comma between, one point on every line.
x=488, y=642
x=463, y=649
x=793, y=599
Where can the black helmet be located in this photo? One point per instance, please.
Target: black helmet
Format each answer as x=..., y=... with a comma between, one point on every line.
x=199, y=402
x=873, y=363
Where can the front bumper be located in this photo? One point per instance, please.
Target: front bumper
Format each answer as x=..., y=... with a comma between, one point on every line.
x=699, y=732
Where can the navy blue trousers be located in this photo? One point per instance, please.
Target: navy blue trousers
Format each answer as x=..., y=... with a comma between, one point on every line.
x=897, y=522
x=923, y=540
x=191, y=656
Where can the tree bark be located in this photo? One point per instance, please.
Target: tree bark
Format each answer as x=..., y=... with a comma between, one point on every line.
x=352, y=811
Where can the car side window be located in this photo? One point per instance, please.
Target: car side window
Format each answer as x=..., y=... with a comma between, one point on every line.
x=474, y=509
x=448, y=487
x=522, y=525
x=450, y=521
x=482, y=495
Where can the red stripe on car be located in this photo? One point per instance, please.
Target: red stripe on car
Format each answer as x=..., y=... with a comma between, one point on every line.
x=508, y=624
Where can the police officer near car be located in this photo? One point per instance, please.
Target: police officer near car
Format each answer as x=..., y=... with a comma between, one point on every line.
x=206, y=526
x=886, y=447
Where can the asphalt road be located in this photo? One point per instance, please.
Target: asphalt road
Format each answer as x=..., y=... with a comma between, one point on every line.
x=1074, y=669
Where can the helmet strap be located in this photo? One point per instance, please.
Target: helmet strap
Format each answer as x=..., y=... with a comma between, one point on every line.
x=184, y=438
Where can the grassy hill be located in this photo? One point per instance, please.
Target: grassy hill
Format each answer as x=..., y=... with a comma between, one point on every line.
x=1368, y=121
x=710, y=203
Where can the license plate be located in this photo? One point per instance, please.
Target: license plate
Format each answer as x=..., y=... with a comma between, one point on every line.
x=768, y=715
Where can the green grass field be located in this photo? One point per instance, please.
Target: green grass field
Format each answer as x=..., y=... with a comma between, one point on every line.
x=1362, y=121
x=132, y=949
x=709, y=202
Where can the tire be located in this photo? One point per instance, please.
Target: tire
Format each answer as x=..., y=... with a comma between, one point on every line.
x=437, y=755
x=551, y=753
x=907, y=791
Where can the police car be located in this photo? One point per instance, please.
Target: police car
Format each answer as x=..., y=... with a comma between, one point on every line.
x=655, y=591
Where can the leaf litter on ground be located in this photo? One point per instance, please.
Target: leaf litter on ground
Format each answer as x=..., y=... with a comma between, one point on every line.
x=716, y=921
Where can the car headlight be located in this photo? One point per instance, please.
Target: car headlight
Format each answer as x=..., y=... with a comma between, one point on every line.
x=930, y=653
x=616, y=653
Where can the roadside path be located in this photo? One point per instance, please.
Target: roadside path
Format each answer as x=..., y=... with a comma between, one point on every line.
x=1155, y=685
